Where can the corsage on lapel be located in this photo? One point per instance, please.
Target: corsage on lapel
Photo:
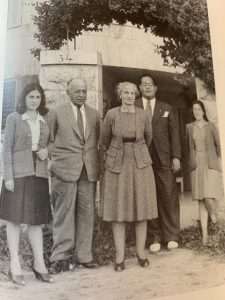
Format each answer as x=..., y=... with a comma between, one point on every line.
x=166, y=114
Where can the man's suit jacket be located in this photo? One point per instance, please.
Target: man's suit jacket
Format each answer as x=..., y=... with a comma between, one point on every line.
x=68, y=151
x=165, y=129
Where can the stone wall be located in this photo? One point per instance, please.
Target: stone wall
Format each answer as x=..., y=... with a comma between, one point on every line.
x=54, y=75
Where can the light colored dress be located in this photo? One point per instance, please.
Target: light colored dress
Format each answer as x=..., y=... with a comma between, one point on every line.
x=206, y=183
x=131, y=194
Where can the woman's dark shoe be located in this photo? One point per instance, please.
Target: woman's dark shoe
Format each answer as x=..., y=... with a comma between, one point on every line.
x=44, y=277
x=119, y=267
x=143, y=262
x=17, y=279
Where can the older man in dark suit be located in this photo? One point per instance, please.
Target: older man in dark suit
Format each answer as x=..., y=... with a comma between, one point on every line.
x=74, y=168
x=166, y=153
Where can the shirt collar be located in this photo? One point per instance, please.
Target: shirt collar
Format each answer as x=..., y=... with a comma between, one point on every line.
x=39, y=118
x=75, y=107
x=152, y=100
x=196, y=124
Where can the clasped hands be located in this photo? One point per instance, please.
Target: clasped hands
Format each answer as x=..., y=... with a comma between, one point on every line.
x=42, y=153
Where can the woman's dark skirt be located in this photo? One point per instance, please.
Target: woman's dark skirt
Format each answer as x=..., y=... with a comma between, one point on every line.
x=28, y=204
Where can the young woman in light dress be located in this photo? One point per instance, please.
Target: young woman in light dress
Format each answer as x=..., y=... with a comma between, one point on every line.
x=204, y=153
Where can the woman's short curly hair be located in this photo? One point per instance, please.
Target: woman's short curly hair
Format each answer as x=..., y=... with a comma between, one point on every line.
x=21, y=103
x=120, y=87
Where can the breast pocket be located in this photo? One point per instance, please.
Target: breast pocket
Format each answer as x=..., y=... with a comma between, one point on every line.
x=164, y=119
x=110, y=159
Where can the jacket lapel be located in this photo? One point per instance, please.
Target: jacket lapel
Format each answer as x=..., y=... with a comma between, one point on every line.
x=118, y=127
x=139, y=102
x=88, y=122
x=137, y=125
x=157, y=111
x=70, y=116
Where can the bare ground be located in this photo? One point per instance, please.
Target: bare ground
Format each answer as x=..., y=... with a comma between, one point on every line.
x=170, y=273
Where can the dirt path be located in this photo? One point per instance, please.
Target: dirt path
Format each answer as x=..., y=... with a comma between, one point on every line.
x=170, y=273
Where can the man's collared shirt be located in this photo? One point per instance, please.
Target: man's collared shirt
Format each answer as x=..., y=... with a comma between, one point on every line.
x=82, y=110
x=152, y=103
x=35, y=128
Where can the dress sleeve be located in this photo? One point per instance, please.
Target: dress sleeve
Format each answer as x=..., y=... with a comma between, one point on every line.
x=148, y=128
x=107, y=131
x=216, y=140
x=7, y=147
x=53, y=130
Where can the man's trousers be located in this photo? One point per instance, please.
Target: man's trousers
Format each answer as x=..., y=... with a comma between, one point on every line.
x=167, y=226
x=73, y=218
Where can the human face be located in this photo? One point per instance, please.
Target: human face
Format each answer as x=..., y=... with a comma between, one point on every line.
x=77, y=92
x=198, y=112
x=147, y=88
x=33, y=100
x=128, y=95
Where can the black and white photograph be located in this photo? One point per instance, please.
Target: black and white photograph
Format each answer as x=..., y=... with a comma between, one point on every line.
x=112, y=150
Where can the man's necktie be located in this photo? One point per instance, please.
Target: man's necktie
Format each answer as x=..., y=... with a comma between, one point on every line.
x=149, y=108
x=80, y=122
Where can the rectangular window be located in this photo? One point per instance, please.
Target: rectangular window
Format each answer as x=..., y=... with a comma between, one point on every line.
x=14, y=18
x=8, y=103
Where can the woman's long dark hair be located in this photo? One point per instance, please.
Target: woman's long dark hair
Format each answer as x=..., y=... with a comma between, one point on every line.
x=202, y=107
x=21, y=103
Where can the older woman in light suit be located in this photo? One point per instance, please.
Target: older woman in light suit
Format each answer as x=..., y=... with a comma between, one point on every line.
x=128, y=187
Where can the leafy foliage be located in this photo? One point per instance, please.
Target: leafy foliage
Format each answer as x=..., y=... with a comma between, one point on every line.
x=36, y=52
x=59, y=19
x=183, y=25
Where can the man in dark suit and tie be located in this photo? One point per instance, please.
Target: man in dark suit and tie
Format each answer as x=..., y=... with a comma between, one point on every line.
x=74, y=169
x=166, y=153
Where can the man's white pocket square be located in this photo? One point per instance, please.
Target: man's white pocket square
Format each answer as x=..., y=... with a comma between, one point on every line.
x=166, y=114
